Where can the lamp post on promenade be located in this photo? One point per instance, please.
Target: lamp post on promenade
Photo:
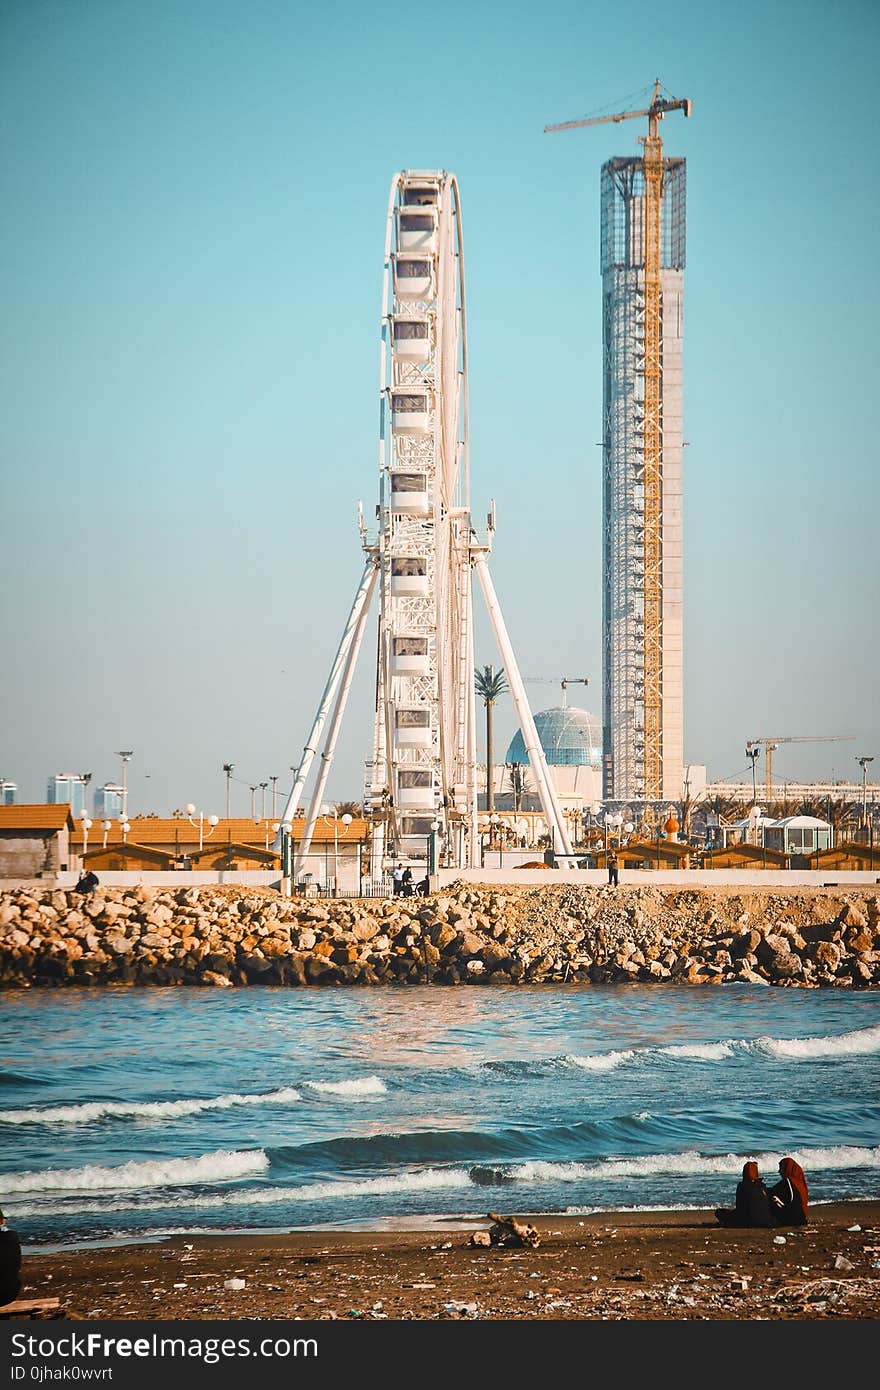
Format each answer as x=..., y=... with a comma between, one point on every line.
x=327, y=812
x=106, y=826
x=263, y=786
x=432, y=847
x=212, y=821
x=863, y=761
x=227, y=768
x=254, y=802
x=124, y=754
x=273, y=780
x=86, y=827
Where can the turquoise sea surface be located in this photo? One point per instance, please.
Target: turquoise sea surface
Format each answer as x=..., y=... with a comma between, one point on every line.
x=132, y=1112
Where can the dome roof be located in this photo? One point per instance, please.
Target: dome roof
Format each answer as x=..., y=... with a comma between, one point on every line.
x=569, y=737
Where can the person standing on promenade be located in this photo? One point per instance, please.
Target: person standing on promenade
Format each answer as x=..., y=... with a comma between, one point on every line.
x=611, y=861
x=10, y=1262
x=788, y=1199
x=752, y=1201
x=397, y=880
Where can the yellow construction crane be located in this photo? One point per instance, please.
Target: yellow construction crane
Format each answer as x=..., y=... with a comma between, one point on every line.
x=754, y=746
x=565, y=683
x=653, y=434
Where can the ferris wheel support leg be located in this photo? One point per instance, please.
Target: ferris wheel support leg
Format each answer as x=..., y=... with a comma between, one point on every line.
x=364, y=589
x=335, y=724
x=546, y=790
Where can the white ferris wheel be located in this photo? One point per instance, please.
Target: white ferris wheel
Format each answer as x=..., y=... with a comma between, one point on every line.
x=422, y=779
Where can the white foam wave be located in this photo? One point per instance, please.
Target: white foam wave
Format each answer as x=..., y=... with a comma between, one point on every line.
x=701, y=1052
x=89, y=1111
x=224, y=1165
x=365, y=1086
x=600, y=1061
x=857, y=1043
x=683, y=1164
x=418, y=1180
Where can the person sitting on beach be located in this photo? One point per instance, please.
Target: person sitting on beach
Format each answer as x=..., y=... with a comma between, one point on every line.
x=788, y=1199
x=10, y=1262
x=88, y=883
x=752, y=1201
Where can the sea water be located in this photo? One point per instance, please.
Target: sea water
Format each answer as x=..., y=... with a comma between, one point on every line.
x=127, y=1113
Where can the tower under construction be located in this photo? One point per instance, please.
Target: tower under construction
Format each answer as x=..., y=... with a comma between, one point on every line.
x=642, y=290
x=643, y=246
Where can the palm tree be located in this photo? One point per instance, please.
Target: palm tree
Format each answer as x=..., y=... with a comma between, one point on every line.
x=489, y=685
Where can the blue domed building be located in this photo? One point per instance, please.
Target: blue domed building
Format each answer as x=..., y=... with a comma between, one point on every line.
x=572, y=742
x=570, y=737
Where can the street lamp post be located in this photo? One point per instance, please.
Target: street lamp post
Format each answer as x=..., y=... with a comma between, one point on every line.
x=212, y=821
x=263, y=786
x=432, y=847
x=227, y=768
x=752, y=751
x=273, y=780
x=863, y=761
x=86, y=827
x=124, y=754
x=254, y=802
x=106, y=826
x=327, y=812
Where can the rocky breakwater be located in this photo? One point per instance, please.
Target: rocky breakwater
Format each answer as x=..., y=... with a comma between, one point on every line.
x=468, y=934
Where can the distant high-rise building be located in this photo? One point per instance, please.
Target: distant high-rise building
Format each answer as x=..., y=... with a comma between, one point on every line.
x=108, y=801
x=642, y=669
x=8, y=792
x=68, y=787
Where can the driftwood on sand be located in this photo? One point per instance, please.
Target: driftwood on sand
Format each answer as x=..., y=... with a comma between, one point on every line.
x=506, y=1230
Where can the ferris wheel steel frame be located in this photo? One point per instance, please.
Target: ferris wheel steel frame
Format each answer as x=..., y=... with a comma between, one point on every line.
x=421, y=787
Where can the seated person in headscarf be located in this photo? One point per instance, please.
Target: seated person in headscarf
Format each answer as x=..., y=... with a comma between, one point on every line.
x=752, y=1201
x=10, y=1263
x=788, y=1199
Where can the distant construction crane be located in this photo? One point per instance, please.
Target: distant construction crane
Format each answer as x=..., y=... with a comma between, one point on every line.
x=565, y=683
x=754, y=745
x=648, y=779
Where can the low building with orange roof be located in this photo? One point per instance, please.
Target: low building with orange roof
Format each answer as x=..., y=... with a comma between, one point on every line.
x=35, y=840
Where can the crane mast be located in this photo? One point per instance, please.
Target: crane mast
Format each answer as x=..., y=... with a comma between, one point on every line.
x=652, y=474
x=770, y=744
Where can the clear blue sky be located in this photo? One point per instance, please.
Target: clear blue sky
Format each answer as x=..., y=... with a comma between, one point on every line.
x=194, y=197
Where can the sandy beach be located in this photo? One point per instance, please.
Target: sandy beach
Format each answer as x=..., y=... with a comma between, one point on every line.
x=657, y=1266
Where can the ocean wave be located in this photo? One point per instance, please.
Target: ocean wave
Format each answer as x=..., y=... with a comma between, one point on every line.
x=857, y=1043
x=700, y=1052
x=419, y=1180
x=11, y=1079
x=683, y=1164
x=601, y=1061
x=365, y=1086
x=86, y=1112
x=429, y=1179
x=222, y=1166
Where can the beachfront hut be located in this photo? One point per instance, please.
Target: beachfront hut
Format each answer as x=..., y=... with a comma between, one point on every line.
x=798, y=835
x=34, y=839
x=745, y=856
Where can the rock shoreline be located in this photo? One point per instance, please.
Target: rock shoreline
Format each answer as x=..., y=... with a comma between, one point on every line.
x=225, y=937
